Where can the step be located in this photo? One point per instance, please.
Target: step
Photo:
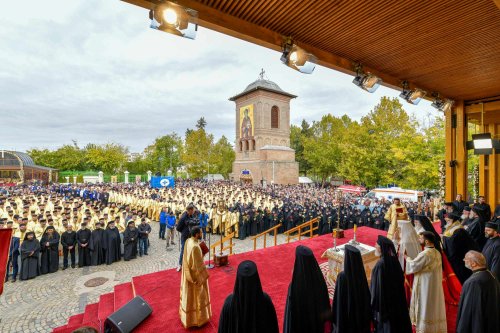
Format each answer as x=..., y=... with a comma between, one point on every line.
x=75, y=320
x=106, y=306
x=90, y=314
x=123, y=293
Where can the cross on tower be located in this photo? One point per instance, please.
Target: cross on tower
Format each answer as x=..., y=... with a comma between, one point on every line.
x=262, y=73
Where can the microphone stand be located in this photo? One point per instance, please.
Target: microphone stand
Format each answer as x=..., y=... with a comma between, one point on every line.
x=209, y=265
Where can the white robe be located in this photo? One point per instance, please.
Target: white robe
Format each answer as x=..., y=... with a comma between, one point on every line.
x=427, y=307
x=409, y=243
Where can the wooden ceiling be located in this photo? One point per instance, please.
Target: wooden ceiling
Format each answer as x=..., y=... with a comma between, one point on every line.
x=448, y=46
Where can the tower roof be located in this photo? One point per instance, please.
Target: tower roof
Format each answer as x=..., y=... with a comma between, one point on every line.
x=263, y=84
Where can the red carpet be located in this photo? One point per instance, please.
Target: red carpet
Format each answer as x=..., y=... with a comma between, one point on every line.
x=161, y=289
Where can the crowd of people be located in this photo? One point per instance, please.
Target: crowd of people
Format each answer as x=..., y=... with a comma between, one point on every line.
x=101, y=224
x=383, y=305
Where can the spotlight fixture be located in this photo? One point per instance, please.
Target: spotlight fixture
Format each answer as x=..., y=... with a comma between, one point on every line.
x=174, y=19
x=297, y=58
x=483, y=144
x=442, y=104
x=412, y=96
x=366, y=81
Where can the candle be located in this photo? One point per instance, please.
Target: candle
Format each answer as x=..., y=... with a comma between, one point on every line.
x=355, y=227
x=335, y=233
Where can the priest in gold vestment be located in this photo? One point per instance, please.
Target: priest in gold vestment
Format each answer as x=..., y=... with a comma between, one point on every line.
x=396, y=212
x=194, y=309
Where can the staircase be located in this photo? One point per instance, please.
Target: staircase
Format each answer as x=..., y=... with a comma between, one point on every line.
x=95, y=314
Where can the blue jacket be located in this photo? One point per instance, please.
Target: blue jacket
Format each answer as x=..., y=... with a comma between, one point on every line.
x=203, y=220
x=163, y=217
x=171, y=221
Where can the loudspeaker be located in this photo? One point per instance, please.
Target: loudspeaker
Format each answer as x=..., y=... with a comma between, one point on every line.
x=128, y=316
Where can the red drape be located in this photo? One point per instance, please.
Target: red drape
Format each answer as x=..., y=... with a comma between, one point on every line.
x=5, y=236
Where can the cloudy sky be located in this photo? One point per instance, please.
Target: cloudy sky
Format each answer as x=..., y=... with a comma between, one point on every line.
x=93, y=71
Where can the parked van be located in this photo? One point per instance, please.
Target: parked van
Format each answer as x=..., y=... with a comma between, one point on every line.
x=395, y=192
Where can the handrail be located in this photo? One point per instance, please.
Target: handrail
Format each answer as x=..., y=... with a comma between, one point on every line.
x=254, y=238
x=221, y=244
x=299, y=229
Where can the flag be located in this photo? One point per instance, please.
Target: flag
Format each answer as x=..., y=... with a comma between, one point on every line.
x=5, y=237
x=163, y=181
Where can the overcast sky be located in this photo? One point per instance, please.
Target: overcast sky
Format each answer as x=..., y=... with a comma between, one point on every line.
x=93, y=71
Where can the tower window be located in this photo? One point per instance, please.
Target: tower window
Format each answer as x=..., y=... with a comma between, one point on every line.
x=275, y=117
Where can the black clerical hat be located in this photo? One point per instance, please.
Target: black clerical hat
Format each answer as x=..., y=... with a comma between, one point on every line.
x=492, y=225
x=453, y=216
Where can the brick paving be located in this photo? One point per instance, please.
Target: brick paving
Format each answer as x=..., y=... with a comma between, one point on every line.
x=40, y=304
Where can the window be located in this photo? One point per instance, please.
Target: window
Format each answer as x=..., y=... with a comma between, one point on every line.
x=275, y=117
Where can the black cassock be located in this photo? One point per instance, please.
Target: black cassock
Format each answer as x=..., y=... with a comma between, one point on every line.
x=111, y=244
x=130, y=244
x=83, y=237
x=29, y=264
x=455, y=248
x=390, y=310
x=248, y=309
x=97, y=254
x=479, y=307
x=351, y=307
x=491, y=251
x=49, y=262
x=476, y=231
x=307, y=305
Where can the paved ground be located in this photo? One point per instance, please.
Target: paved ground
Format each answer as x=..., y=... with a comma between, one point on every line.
x=47, y=301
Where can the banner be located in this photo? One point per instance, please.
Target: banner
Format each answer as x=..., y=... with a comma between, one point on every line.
x=163, y=181
x=5, y=237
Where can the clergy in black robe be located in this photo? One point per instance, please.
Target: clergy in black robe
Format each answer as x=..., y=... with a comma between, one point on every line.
x=83, y=239
x=96, y=245
x=30, y=251
x=49, y=247
x=390, y=311
x=112, y=243
x=307, y=307
x=248, y=309
x=479, y=307
x=475, y=227
x=130, y=237
x=491, y=249
x=351, y=307
x=68, y=242
x=455, y=247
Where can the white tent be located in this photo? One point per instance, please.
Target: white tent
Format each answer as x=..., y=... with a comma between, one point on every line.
x=305, y=180
x=212, y=177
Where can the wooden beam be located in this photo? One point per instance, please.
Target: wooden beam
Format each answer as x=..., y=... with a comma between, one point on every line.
x=488, y=107
x=449, y=156
x=461, y=151
x=218, y=21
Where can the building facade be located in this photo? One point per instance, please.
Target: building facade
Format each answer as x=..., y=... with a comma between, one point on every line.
x=262, y=145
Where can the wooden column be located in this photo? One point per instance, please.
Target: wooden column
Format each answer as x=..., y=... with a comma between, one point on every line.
x=449, y=156
x=492, y=173
x=461, y=151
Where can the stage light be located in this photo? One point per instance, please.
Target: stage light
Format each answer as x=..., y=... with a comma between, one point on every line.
x=297, y=58
x=366, y=81
x=412, y=96
x=442, y=105
x=483, y=144
x=174, y=19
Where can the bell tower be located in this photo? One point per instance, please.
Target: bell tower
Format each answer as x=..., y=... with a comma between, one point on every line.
x=262, y=144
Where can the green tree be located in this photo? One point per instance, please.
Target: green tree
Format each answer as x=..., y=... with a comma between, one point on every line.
x=297, y=137
x=109, y=158
x=196, y=154
x=201, y=123
x=164, y=153
x=222, y=156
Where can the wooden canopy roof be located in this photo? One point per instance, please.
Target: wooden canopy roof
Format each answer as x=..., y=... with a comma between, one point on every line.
x=448, y=46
